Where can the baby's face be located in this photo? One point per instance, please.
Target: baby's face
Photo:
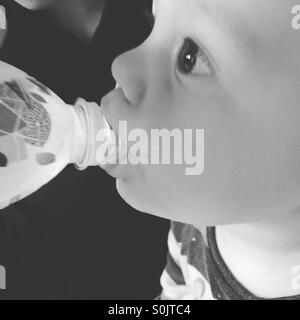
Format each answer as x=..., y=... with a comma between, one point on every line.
x=231, y=68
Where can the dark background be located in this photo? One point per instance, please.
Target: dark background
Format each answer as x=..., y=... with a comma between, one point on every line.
x=76, y=238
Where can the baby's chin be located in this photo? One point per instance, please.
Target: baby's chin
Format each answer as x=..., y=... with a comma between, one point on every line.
x=140, y=198
x=129, y=196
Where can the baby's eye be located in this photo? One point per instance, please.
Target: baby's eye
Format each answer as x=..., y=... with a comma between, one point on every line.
x=193, y=61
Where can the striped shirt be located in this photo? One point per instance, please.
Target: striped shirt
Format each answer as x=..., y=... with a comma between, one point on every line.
x=195, y=269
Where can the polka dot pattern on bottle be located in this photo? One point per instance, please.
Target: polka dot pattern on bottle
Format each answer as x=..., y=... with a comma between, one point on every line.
x=3, y=160
x=45, y=158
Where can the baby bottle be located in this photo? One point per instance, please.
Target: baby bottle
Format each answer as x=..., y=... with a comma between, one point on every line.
x=40, y=135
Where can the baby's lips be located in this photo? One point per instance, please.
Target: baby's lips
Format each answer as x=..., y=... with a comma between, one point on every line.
x=114, y=106
x=113, y=150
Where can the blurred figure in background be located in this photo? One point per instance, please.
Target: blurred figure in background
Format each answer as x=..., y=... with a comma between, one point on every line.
x=63, y=242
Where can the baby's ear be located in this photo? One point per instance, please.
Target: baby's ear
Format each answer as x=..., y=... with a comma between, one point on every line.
x=3, y=25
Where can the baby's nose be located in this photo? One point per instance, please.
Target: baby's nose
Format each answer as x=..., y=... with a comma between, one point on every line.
x=129, y=73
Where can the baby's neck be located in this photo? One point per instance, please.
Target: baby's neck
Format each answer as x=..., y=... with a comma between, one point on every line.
x=279, y=236
x=264, y=257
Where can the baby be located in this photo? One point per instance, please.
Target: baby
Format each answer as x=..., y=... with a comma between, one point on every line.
x=231, y=68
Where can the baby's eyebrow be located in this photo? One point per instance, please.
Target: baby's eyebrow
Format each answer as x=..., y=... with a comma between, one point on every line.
x=228, y=23
x=230, y=20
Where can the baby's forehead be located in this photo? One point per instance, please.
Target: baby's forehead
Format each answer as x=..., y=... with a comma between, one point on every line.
x=263, y=15
x=260, y=22
x=246, y=6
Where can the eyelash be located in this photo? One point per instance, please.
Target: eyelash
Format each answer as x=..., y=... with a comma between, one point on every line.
x=194, y=55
